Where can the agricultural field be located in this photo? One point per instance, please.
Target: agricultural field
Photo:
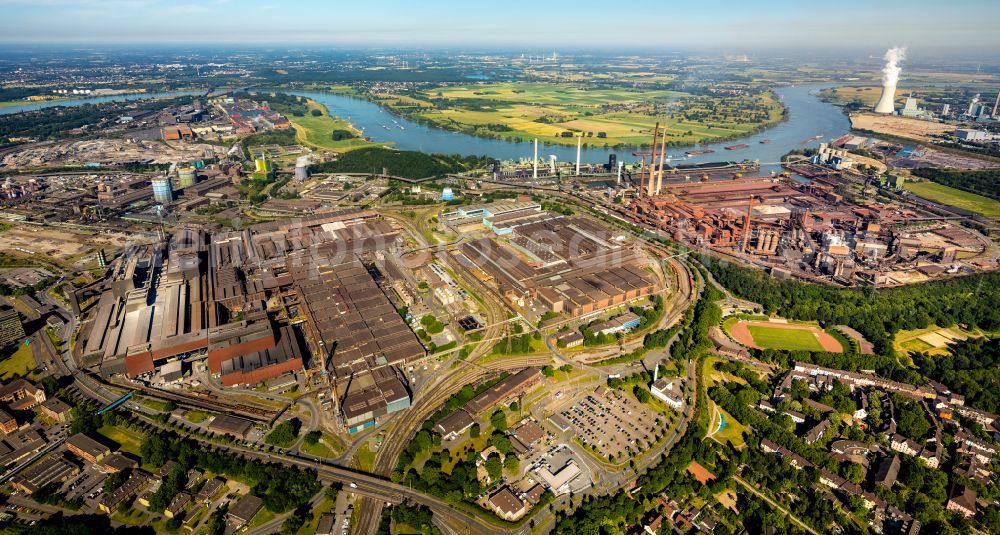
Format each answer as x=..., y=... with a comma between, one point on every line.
x=789, y=336
x=868, y=95
x=940, y=193
x=559, y=112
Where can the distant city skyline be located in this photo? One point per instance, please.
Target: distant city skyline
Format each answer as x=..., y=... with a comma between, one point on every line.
x=920, y=24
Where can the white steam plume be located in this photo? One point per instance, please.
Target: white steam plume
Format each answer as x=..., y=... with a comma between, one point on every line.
x=890, y=73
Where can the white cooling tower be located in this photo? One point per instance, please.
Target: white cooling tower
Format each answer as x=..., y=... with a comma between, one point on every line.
x=890, y=76
x=885, y=102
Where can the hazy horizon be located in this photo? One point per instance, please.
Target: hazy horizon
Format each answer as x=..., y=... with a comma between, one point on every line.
x=956, y=28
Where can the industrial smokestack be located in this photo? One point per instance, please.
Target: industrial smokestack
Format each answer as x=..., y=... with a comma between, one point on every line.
x=659, y=171
x=579, y=139
x=620, y=164
x=534, y=171
x=890, y=76
x=651, y=188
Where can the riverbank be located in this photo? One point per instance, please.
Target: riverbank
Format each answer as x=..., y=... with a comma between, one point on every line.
x=317, y=131
x=13, y=103
x=605, y=118
x=11, y=107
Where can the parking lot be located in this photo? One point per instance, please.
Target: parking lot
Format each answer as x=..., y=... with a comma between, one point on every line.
x=612, y=421
x=87, y=486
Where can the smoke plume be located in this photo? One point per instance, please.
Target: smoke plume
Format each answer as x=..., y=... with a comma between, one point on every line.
x=890, y=73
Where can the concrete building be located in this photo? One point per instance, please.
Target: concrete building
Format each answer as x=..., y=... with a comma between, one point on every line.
x=109, y=502
x=504, y=391
x=454, y=424
x=558, y=482
x=87, y=448
x=229, y=425
x=618, y=324
x=55, y=469
x=670, y=392
x=8, y=424
x=21, y=395
x=11, y=328
x=363, y=407
x=244, y=511
x=962, y=500
x=56, y=409
x=506, y=504
x=968, y=134
x=570, y=339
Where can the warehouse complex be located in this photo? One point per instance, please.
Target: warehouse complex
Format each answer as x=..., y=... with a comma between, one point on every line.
x=252, y=305
x=564, y=264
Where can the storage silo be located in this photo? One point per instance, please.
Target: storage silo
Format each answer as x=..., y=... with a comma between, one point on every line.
x=163, y=192
x=187, y=176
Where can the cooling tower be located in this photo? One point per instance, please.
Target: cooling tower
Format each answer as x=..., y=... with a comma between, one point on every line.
x=890, y=76
x=885, y=102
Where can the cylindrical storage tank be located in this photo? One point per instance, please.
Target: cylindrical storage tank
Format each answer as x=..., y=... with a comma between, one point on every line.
x=187, y=176
x=162, y=191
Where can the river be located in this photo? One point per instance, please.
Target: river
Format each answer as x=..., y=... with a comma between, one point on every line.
x=69, y=103
x=808, y=117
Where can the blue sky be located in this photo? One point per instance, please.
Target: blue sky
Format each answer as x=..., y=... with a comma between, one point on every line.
x=558, y=24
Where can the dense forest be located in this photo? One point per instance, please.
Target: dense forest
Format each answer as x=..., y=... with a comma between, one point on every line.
x=985, y=182
x=973, y=301
x=972, y=369
x=406, y=164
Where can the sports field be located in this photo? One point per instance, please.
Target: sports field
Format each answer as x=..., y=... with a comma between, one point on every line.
x=788, y=336
x=559, y=112
x=954, y=197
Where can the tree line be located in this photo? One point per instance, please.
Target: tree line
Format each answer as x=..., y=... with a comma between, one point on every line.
x=979, y=181
x=972, y=301
x=401, y=163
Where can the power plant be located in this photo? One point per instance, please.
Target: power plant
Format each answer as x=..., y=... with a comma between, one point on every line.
x=302, y=168
x=890, y=76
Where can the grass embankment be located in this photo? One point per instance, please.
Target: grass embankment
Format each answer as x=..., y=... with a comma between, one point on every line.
x=327, y=447
x=940, y=193
x=555, y=113
x=317, y=131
